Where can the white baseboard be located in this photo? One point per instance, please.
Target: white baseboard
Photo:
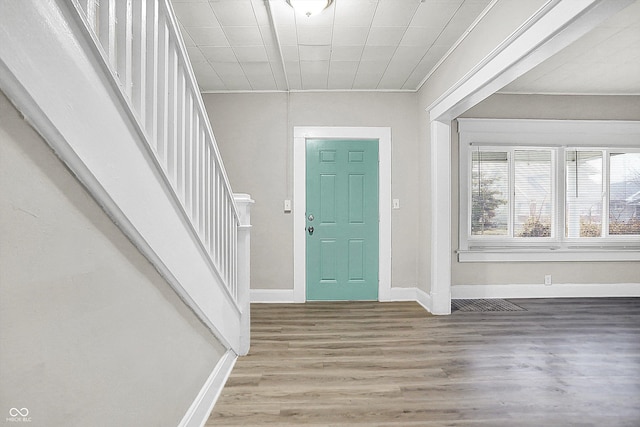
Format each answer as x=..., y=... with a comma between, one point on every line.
x=272, y=296
x=412, y=294
x=401, y=294
x=561, y=290
x=424, y=299
x=200, y=409
x=395, y=294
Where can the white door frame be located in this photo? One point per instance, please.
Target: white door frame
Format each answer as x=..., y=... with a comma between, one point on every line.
x=300, y=135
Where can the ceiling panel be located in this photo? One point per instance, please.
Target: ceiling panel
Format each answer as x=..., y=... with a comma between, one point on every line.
x=237, y=13
x=207, y=36
x=218, y=54
x=314, y=35
x=391, y=13
x=385, y=36
x=314, y=53
x=354, y=13
x=378, y=53
x=346, y=53
x=350, y=36
x=251, y=54
x=195, y=15
x=244, y=36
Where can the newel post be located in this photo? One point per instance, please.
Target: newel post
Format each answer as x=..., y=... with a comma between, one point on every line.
x=244, y=202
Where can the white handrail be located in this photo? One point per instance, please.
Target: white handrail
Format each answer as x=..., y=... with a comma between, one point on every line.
x=141, y=45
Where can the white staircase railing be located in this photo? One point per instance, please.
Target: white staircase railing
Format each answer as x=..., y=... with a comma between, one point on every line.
x=141, y=45
x=108, y=86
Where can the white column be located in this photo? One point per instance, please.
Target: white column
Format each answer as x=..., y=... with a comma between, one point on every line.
x=244, y=202
x=440, y=217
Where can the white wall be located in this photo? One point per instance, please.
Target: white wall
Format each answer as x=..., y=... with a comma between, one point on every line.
x=255, y=136
x=543, y=107
x=90, y=334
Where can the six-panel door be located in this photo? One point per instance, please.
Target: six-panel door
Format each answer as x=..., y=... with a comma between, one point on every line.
x=342, y=219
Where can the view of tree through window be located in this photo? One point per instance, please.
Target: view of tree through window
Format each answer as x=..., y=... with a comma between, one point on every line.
x=624, y=194
x=490, y=193
x=583, y=211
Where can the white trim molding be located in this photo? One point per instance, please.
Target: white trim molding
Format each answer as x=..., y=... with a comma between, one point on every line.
x=272, y=296
x=403, y=294
x=556, y=25
x=561, y=290
x=425, y=300
x=199, y=411
x=413, y=294
x=383, y=135
x=283, y=296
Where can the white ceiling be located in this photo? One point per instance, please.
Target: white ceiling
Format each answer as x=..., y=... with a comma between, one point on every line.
x=237, y=45
x=255, y=45
x=605, y=61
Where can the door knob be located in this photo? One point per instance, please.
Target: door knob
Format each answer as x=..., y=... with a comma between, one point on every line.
x=310, y=229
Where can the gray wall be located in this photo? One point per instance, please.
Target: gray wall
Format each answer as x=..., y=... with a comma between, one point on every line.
x=90, y=334
x=255, y=136
x=542, y=107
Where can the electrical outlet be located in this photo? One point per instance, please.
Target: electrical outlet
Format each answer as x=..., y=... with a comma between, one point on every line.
x=547, y=280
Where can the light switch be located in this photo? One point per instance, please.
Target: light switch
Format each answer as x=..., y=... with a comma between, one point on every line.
x=287, y=206
x=396, y=203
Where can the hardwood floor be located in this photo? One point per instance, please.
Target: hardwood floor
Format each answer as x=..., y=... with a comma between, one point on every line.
x=563, y=362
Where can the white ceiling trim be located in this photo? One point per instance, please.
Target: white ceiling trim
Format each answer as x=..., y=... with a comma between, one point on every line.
x=457, y=43
x=311, y=91
x=567, y=93
x=523, y=50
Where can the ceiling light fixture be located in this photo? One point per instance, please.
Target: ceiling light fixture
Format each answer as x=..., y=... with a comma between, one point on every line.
x=309, y=7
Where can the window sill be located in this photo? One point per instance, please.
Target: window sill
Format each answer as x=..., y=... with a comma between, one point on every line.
x=549, y=255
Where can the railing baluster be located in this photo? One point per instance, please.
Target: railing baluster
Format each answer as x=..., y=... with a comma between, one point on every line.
x=123, y=43
x=92, y=13
x=196, y=178
x=201, y=182
x=151, y=98
x=215, y=252
x=172, y=112
x=180, y=134
x=194, y=173
x=207, y=197
x=210, y=205
x=162, y=90
x=139, y=58
x=219, y=221
x=188, y=161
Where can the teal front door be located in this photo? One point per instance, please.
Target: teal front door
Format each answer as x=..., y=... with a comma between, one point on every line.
x=342, y=219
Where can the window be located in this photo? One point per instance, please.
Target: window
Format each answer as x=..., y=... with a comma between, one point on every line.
x=537, y=187
x=624, y=193
x=498, y=173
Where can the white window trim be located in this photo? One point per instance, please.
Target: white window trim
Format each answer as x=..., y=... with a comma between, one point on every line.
x=556, y=134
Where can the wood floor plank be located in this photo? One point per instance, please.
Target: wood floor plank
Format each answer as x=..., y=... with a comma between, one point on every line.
x=562, y=362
